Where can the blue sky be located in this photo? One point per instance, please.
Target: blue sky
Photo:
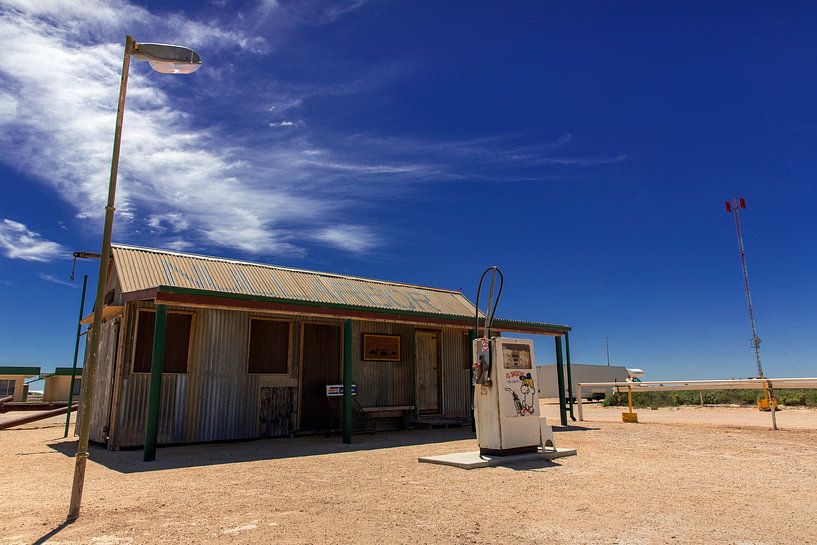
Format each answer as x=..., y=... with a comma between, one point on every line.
x=585, y=148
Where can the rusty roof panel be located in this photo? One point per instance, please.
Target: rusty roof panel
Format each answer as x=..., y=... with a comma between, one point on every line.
x=145, y=268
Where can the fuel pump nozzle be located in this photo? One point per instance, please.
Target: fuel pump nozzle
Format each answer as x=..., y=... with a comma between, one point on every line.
x=482, y=356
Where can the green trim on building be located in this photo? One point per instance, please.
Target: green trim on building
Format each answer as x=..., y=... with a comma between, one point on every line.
x=19, y=371
x=65, y=372
x=347, y=381
x=464, y=320
x=155, y=390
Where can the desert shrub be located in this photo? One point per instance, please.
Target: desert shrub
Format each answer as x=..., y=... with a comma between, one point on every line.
x=711, y=397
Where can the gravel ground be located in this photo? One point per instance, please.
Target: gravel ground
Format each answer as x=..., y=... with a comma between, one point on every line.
x=673, y=481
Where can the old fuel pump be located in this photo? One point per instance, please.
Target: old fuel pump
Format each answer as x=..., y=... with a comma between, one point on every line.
x=506, y=407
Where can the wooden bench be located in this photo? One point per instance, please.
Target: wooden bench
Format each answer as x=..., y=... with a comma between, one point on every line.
x=403, y=412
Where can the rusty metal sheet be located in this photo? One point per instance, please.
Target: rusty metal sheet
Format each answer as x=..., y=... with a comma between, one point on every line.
x=144, y=268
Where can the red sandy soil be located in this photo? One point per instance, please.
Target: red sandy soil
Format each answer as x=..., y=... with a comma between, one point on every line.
x=711, y=475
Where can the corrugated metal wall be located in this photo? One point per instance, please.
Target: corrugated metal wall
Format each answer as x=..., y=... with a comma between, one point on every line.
x=384, y=383
x=217, y=399
x=456, y=376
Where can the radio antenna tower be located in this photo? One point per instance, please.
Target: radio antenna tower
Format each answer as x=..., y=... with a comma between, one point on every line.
x=734, y=206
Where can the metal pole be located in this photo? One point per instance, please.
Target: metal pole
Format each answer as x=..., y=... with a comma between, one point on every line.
x=157, y=364
x=744, y=268
x=560, y=379
x=472, y=335
x=347, y=381
x=607, y=349
x=569, y=375
x=579, y=399
x=630, y=399
x=488, y=320
x=76, y=353
x=90, y=372
x=772, y=405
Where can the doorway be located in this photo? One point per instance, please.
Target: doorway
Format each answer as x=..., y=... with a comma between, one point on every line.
x=320, y=365
x=429, y=375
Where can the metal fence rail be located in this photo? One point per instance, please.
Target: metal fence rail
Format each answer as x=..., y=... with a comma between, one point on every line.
x=696, y=385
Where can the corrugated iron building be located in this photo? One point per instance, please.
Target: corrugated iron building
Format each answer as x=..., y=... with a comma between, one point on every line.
x=250, y=349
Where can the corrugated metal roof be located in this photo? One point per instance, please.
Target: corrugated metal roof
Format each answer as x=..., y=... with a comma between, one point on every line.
x=145, y=268
x=504, y=324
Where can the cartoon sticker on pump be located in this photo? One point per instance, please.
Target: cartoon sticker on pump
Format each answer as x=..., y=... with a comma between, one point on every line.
x=522, y=389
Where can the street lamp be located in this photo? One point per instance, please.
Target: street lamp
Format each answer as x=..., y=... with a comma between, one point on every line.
x=167, y=59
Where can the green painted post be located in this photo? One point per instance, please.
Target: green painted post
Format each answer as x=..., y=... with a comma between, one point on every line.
x=76, y=353
x=472, y=336
x=155, y=392
x=560, y=378
x=347, y=381
x=569, y=375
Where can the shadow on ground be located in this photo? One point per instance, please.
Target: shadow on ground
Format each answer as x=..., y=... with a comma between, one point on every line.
x=51, y=533
x=173, y=457
x=530, y=465
x=560, y=429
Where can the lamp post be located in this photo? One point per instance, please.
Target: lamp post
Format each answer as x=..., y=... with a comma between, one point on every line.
x=166, y=59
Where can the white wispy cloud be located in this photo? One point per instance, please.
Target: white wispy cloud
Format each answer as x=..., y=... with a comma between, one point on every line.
x=18, y=242
x=54, y=280
x=352, y=238
x=580, y=161
x=161, y=223
x=61, y=96
x=307, y=12
x=186, y=184
x=286, y=123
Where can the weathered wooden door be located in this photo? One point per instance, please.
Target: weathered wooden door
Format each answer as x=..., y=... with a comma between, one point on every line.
x=275, y=413
x=320, y=366
x=429, y=381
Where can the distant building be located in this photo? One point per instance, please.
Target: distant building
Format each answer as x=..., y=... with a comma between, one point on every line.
x=252, y=349
x=581, y=372
x=58, y=384
x=12, y=381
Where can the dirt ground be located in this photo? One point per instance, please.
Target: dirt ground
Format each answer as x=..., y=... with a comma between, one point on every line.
x=788, y=418
x=710, y=475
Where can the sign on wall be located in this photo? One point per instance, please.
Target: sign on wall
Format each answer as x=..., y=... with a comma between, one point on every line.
x=381, y=347
x=336, y=390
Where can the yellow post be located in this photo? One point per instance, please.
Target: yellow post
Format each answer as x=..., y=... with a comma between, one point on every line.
x=630, y=398
x=629, y=416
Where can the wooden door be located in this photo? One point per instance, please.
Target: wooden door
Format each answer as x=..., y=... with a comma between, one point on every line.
x=320, y=365
x=429, y=381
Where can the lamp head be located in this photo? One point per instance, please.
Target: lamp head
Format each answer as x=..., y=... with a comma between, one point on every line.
x=168, y=59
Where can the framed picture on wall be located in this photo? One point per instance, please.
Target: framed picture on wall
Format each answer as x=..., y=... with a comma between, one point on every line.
x=381, y=347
